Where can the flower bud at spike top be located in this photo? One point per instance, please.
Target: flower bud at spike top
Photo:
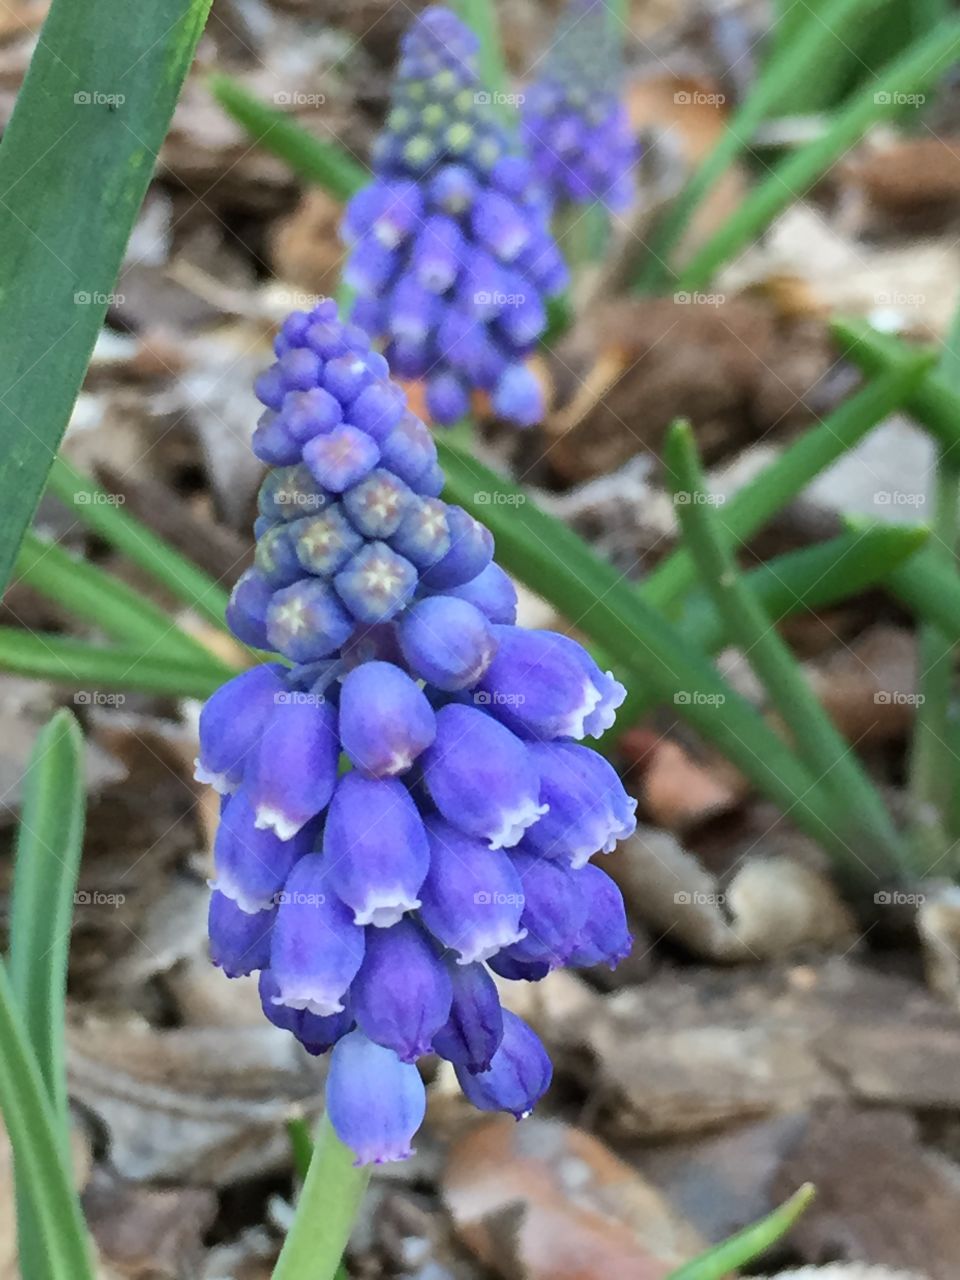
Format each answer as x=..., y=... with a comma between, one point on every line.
x=575, y=124
x=404, y=812
x=453, y=235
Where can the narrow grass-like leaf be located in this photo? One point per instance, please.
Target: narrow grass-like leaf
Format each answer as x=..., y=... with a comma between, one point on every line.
x=326, y=164
x=930, y=589
x=858, y=808
x=93, y=669
x=75, y=162
x=933, y=402
x=730, y=1255
x=103, y=600
x=779, y=483
x=914, y=71
x=42, y=1174
x=327, y=1207
x=481, y=16
x=554, y=561
x=95, y=508
x=791, y=65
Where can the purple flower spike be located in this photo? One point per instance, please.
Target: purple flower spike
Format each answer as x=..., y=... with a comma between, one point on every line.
x=446, y=642
x=604, y=937
x=239, y=942
x=377, y=583
x=589, y=811
x=375, y=1102
x=492, y=592
x=306, y=621
x=481, y=777
x=519, y=1074
x=472, y=896
x=474, y=1030
x=402, y=994
x=316, y=949
x=292, y=773
x=376, y=849
x=565, y=695
x=231, y=723
x=341, y=458
x=386, y=721
x=252, y=864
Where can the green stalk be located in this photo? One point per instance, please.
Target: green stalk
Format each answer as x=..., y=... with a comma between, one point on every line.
x=780, y=482
x=103, y=600
x=95, y=670
x=720, y=1261
x=930, y=588
x=481, y=17
x=914, y=71
x=594, y=597
x=97, y=510
x=42, y=1174
x=788, y=68
x=326, y=1209
x=324, y=163
x=858, y=809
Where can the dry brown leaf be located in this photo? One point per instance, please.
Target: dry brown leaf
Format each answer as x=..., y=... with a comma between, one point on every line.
x=305, y=246
x=549, y=1202
x=148, y=1233
x=681, y=793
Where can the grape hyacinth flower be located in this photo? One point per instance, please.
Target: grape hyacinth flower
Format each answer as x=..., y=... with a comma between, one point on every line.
x=575, y=124
x=451, y=254
x=407, y=803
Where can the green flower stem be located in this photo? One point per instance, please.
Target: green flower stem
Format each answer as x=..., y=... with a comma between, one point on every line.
x=857, y=809
x=930, y=588
x=97, y=510
x=920, y=66
x=481, y=17
x=326, y=164
x=80, y=665
x=934, y=401
x=327, y=1206
x=43, y=1175
x=594, y=597
x=789, y=67
x=780, y=482
x=719, y=1262
x=103, y=600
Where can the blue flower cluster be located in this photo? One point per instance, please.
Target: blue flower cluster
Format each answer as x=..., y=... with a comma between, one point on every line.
x=407, y=806
x=451, y=253
x=575, y=124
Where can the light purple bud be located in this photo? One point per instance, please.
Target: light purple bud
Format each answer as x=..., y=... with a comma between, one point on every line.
x=306, y=621
x=376, y=849
x=481, y=777
x=292, y=772
x=386, y=721
x=401, y=215
x=316, y=949
x=310, y=413
x=423, y=535
x=231, y=722
x=413, y=312
x=252, y=864
x=247, y=611
x=276, y=557
x=375, y=1102
x=474, y=1030
x=437, y=254
x=447, y=642
x=300, y=368
x=341, y=458
x=518, y=396
x=500, y=225
x=492, y=592
x=378, y=409
x=325, y=337
x=325, y=542
x=519, y=1075
x=348, y=375
x=471, y=550
x=409, y=449
x=376, y=584
x=370, y=266
x=431, y=482
x=402, y=995
x=448, y=398
x=452, y=189
x=269, y=387
x=605, y=935
x=273, y=443
x=377, y=504
x=472, y=896
x=239, y=941
x=589, y=811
